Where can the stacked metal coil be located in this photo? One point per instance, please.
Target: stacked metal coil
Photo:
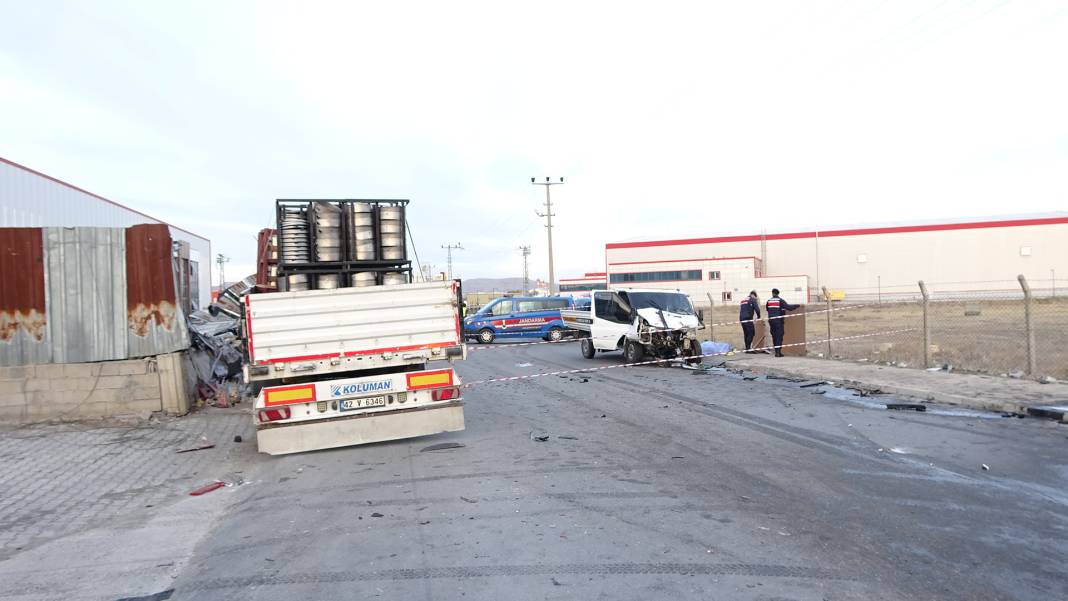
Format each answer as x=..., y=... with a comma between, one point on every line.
x=394, y=277
x=294, y=244
x=391, y=229
x=363, y=232
x=327, y=231
x=362, y=279
x=327, y=281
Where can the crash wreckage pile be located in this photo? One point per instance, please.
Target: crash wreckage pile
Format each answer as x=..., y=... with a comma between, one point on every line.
x=217, y=348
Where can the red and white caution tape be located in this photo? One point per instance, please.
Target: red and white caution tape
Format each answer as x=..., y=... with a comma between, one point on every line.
x=677, y=359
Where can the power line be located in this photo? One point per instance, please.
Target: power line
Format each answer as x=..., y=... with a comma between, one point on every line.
x=450, y=248
x=549, y=226
x=222, y=260
x=525, y=251
x=414, y=252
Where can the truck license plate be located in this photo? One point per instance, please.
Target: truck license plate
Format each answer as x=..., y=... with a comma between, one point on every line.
x=362, y=403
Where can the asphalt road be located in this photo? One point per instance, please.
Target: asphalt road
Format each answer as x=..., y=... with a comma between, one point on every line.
x=653, y=483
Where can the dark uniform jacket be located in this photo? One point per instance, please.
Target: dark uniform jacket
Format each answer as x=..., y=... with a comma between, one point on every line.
x=749, y=308
x=778, y=307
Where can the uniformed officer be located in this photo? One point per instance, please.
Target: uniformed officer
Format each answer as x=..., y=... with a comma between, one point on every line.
x=777, y=309
x=750, y=309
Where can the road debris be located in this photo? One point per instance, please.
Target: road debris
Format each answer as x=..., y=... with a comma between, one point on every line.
x=466, y=500
x=985, y=467
x=1057, y=412
x=524, y=365
x=160, y=596
x=539, y=435
x=568, y=437
x=906, y=407
x=207, y=488
x=441, y=447
x=377, y=515
x=201, y=447
x=238, y=438
x=811, y=384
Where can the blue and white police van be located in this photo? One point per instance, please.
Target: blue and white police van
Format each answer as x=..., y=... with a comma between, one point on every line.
x=519, y=317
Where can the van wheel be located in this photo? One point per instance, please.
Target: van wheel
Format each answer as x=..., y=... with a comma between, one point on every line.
x=485, y=336
x=555, y=334
x=633, y=352
x=587, y=348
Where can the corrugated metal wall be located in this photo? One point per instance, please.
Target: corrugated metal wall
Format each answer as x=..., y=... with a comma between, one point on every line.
x=30, y=199
x=86, y=293
x=70, y=295
x=154, y=323
x=24, y=337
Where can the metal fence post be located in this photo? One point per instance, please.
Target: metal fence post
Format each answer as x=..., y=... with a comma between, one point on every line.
x=827, y=297
x=711, y=328
x=1029, y=325
x=926, y=326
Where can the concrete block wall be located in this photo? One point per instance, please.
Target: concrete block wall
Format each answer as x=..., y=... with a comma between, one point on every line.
x=71, y=391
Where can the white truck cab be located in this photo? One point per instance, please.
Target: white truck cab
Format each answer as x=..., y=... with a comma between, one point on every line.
x=640, y=322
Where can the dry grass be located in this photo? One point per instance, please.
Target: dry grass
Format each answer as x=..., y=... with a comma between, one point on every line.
x=983, y=336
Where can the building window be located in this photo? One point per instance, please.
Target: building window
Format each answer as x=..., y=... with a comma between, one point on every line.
x=726, y=296
x=655, y=276
x=580, y=287
x=713, y=275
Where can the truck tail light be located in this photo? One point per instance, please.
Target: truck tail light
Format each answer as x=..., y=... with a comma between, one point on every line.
x=445, y=394
x=273, y=415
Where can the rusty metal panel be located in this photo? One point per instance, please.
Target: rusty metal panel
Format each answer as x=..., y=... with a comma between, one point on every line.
x=24, y=336
x=87, y=293
x=154, y=323
x=32, y=199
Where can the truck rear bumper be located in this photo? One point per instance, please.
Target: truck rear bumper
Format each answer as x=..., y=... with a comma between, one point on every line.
x=280, y=439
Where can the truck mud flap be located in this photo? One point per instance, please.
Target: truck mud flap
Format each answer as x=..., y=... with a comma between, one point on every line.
x=349, y=430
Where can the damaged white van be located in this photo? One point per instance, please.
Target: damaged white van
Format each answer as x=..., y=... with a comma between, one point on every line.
x=642, y=323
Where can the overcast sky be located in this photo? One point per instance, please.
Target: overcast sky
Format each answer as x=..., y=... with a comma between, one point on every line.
x=666, y=119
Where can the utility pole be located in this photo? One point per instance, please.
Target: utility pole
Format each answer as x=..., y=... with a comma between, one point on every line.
x=222, y=260
x=525, y=251
x=549, y=226
x=450, y=248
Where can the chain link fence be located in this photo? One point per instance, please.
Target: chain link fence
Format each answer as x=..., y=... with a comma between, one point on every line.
x=1008, y=328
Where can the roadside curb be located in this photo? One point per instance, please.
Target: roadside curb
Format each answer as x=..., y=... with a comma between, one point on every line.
x=883, y=381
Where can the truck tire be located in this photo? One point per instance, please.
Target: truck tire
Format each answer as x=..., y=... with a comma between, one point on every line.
x=486, y=336
x=633, y=352
x=588, y=351
x=555, y=334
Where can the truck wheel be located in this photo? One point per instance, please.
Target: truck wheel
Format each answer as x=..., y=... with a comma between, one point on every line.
x=485, y=336
x=587, y=348
x=555, y=334
x=633, y=352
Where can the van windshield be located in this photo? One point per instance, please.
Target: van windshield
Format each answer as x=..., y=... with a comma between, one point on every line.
x=672, y=302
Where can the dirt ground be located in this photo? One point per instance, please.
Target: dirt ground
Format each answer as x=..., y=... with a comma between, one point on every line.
x=982, y=336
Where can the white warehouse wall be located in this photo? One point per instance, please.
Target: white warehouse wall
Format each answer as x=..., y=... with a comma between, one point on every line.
x=32, y=199
x=978, y=255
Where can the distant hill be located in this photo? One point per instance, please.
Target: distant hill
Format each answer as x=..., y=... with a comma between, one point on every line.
x=493, y=284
